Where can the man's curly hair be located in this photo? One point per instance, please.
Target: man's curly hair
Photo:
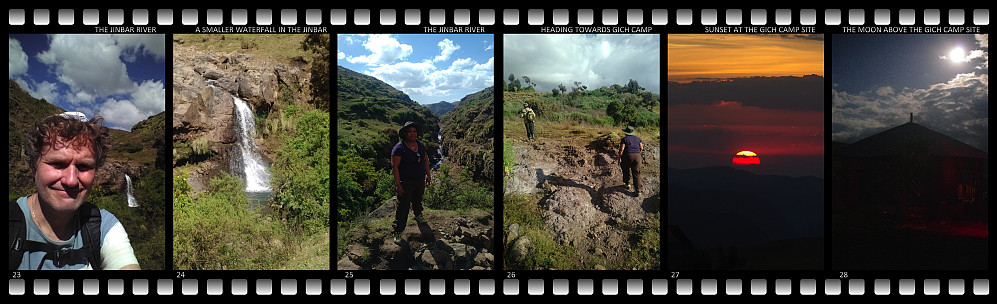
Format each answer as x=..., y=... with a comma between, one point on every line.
x=68, y=132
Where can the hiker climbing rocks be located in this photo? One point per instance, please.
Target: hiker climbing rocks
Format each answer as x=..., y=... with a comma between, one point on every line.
x=630, y=159
x=528, y=116
x=410, y=166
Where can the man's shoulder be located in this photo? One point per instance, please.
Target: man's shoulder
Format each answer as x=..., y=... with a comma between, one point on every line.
x=107, y=219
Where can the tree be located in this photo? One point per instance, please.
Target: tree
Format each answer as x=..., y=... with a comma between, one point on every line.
x=628, y=113
x=554, y=92
x=526, y=79
x=633, y=87
x=319, y=45
x=562, y=88
x=617, y=88
x=613, y=110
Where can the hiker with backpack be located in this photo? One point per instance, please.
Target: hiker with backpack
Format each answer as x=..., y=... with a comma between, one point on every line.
x=56, y=228
x=528, y=116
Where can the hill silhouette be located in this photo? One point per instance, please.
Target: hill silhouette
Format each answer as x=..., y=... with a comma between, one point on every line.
x=734, y=218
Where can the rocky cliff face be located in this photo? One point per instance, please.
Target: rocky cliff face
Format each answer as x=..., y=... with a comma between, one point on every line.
x=204, y=83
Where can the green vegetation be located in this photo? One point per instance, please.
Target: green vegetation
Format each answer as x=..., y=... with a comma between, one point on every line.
x=144, y=224
x=647, y=254
x=370, y=113
x=614, y=105
x=469, y=134
x=545, y=252
x=301, y=172
x=217, y=230
x=508, y=156
x=453, y=189
x=265, y=46
x=214, y=225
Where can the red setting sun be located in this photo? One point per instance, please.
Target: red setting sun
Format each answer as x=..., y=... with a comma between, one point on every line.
x=746, y=158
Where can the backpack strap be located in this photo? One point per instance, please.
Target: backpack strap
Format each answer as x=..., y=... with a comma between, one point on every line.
x=16, y=235
x=90, y=230
x=88, y=216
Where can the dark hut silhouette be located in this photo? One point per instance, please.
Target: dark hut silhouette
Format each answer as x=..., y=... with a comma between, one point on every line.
x=911, y=170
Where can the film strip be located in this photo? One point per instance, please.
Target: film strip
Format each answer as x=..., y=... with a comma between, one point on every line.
x=691, y=268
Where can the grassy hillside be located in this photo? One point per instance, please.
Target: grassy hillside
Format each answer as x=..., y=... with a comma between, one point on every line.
x=469, y=132
x=370, y=114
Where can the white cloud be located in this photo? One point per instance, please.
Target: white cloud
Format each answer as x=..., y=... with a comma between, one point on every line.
x=121, y=113
x=384, y=49
x=958, y=108
x=150, y=97
x=340, y=55
x=404, y=74
x=44, y=90
x=594, y=60
x=149, y=44
x=884, y=91
x=147, y=100
x=447, y=47
x=88, y=64
x=17, y=60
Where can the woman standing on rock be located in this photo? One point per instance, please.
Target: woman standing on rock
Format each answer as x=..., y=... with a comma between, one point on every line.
x=630, y=159
x=410, y=166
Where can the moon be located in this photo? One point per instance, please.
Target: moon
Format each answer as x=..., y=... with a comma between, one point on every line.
x=745, y=158
x=957, y=55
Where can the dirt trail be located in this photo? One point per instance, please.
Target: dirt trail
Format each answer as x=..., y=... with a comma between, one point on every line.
x=584, y=201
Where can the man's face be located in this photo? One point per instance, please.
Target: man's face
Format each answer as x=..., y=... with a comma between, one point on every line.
x=64, y=175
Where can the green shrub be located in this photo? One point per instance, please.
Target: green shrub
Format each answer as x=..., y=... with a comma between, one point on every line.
x=218, y=231
x=456, y=191
x=301, y=172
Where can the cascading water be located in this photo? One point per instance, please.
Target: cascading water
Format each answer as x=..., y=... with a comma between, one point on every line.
x=255, y=169
x=132, y=202
x=439, y=137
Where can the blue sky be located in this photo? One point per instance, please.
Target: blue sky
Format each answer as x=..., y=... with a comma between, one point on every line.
x=429, y=68
x=877, y=80
x=119, y=77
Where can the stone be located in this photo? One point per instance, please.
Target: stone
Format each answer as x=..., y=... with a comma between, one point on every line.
x=519, y=249
x=346, y=264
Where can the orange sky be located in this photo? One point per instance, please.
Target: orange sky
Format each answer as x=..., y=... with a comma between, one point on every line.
x=696, y=56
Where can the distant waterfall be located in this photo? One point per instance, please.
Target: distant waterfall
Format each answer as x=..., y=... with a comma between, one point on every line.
x=132, y=202
x=439, y=137
x=256, y=173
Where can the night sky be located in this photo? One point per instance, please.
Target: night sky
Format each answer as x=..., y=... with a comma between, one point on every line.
x=762, y=93
x=878, y=80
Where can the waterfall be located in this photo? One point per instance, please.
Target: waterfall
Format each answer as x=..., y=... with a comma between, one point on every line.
x=132, y=202
x=255, y=169
x=439, y=150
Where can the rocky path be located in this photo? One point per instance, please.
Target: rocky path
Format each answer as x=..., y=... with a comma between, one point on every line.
x=450, y=240
x=584, y=201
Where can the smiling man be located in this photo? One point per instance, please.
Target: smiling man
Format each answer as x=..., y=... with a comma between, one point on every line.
x=55, y=228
